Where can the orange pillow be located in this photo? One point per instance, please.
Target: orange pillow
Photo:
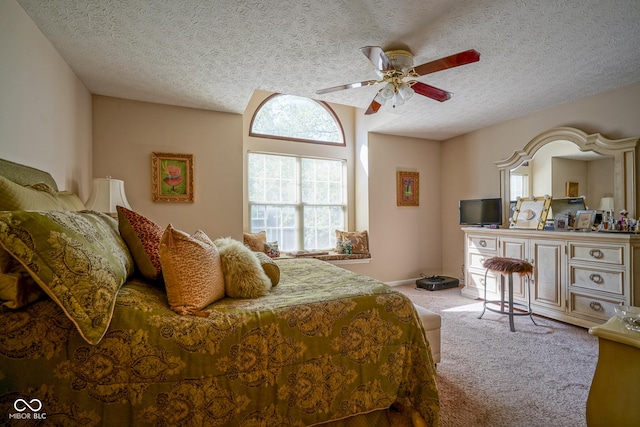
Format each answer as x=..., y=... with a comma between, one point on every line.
x=255, y=241
x=192, y=271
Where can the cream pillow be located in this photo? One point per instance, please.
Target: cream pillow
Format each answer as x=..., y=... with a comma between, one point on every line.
x=243, y=273
x=270, y=267
x=192, y=271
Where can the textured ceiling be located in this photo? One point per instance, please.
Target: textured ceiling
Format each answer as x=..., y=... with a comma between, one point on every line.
x=214, y=54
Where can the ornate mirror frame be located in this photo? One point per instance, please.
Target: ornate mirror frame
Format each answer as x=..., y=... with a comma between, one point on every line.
x=623, y=152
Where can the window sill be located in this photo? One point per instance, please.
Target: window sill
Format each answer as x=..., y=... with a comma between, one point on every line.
x=350, y=261
x=338, y=259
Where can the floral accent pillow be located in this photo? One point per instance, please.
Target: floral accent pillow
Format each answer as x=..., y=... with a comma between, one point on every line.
x=143, y=239
x=272, y=249
x=359, y=241
x=77, y=258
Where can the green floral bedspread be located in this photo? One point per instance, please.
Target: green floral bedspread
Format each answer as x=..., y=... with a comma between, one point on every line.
x=324, y=345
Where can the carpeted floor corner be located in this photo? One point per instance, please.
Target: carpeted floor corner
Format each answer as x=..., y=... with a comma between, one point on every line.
x=489, y=376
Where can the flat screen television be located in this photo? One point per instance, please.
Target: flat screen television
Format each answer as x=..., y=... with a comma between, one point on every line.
x=480, y=211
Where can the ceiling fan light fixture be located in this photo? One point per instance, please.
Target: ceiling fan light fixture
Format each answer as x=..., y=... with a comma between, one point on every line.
x=395, y=101
x=406, y=91
x=388, y=91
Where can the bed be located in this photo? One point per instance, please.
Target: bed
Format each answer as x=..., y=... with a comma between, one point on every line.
x=324, y=347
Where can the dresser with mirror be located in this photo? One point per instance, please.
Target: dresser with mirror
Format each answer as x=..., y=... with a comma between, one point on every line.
x=579, y=276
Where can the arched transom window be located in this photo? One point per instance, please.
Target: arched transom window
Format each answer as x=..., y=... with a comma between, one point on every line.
x=298, y=119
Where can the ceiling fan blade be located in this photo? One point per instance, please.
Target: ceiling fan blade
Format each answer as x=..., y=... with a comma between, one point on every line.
x=378, y=58
x=456, y=60
x=375, y=104
x=431, y=91
x=373, y=108
x=347, y=86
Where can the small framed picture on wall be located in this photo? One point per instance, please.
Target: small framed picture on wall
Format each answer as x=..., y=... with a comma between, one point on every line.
x=172, y=177
x=408, y=188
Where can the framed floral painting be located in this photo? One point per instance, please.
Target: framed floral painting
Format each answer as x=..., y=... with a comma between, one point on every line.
x=172, y=177
x=408, y=188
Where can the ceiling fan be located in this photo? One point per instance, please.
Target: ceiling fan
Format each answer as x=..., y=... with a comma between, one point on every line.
x=394, y=66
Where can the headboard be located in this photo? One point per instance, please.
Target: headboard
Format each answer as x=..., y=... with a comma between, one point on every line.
x=25, y=175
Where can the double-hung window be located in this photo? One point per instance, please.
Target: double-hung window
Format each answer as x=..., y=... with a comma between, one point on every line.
x=299, y=201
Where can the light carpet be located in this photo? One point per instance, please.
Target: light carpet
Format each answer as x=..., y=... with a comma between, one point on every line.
x=489, y=376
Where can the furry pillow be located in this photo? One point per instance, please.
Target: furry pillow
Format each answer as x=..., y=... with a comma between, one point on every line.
x=243, y=274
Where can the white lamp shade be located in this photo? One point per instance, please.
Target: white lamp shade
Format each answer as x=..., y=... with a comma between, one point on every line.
x=106, y=194
x=606, y=204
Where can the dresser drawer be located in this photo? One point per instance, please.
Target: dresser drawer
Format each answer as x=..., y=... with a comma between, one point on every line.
x=478, y=280
x=602, y=280
x=476, y=260
x=596, y=307
x=483, y=243
x=597, y=253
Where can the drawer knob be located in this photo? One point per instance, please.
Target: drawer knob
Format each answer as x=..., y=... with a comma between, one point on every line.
x=596, y=253
x=596, y=278
x=596, y=306
x=483, y=243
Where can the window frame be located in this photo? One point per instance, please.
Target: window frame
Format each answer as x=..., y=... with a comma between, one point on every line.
x=299, y=205
x=288, y=138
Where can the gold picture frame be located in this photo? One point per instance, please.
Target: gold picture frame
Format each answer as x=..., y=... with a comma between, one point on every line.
x=407, y=188
x=572, y=189
x=172, y=177
x=531, y=213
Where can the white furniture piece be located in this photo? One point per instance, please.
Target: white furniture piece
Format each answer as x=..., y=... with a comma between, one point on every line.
x=578, y=277
x=431, y=322
x=613, y=396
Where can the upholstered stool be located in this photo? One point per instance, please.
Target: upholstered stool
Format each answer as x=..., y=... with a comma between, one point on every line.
x=508, y=266
x=431, y=323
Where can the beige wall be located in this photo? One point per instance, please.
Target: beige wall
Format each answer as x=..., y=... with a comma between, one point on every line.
x=125, y=133
x=467, y=161
x=45, y=111
x=405, y=240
